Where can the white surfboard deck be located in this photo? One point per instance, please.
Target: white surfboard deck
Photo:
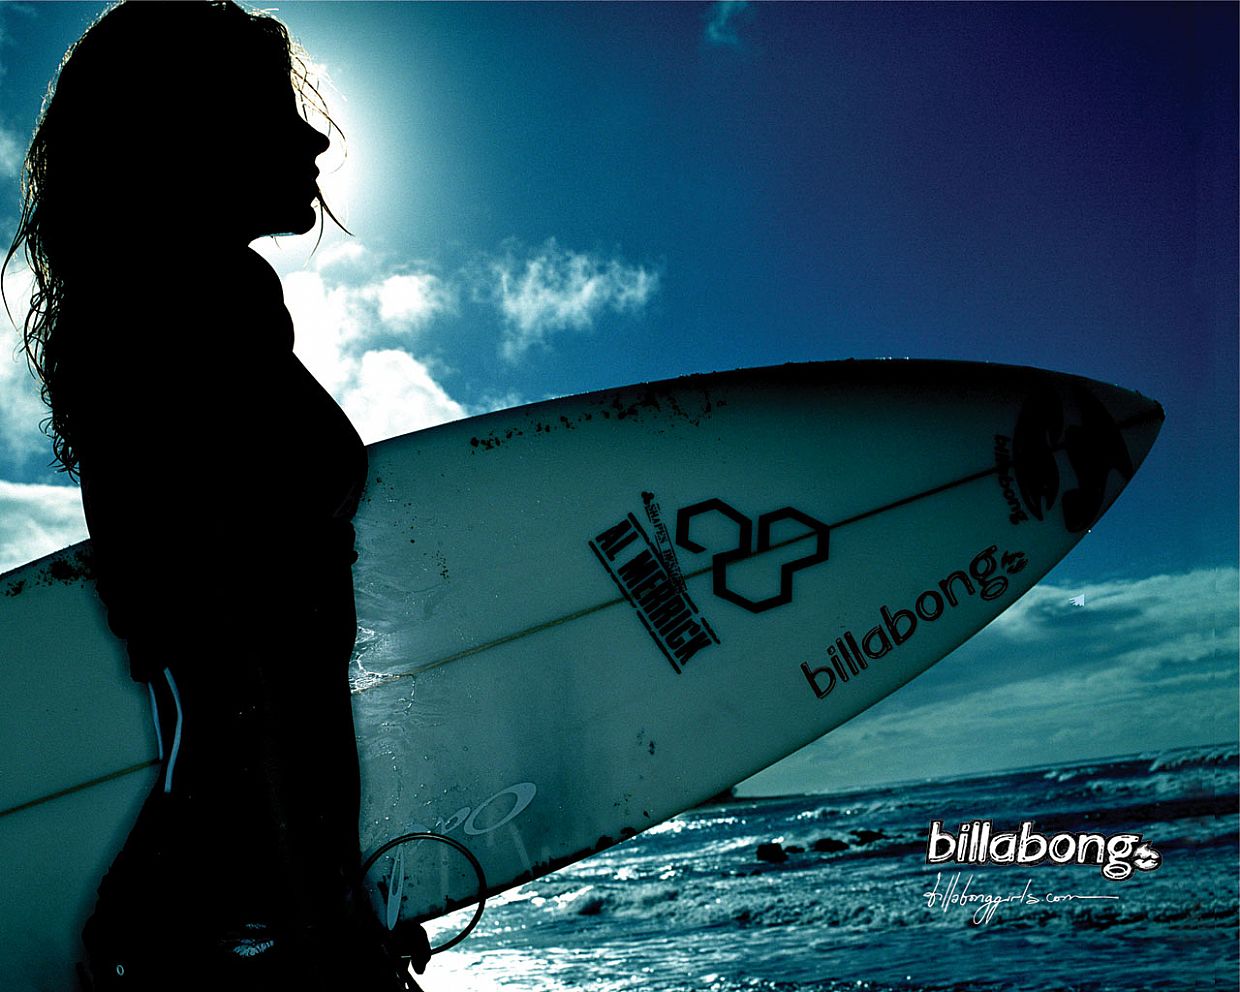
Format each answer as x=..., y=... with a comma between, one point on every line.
x=581, y=617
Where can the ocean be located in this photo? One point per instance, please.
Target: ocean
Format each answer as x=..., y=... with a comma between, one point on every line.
x=833, y=892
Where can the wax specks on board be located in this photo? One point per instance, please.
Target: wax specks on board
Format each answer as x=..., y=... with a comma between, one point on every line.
x=72, y=565
x=619, y=406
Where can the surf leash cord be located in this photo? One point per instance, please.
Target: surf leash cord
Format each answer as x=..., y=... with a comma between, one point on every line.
x=394, y=890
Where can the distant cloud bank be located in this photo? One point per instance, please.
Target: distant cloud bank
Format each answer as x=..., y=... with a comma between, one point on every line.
x=1144, y=664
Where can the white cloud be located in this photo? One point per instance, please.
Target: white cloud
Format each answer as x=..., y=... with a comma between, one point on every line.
x=363, y=295
x=21, y=409
x=411, y=300
x=12, y=151
x=36, y=520
x=393, y=393
x=357, y=318
x=721, y=29
x=556, y=290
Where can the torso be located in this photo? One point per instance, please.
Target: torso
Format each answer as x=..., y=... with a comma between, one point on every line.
x=218, y=477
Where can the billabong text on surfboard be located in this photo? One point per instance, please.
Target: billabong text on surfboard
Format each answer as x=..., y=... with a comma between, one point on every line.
x=850, y=656
x=1003, y=472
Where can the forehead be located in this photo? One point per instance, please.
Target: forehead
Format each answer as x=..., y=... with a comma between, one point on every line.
x=251, y=90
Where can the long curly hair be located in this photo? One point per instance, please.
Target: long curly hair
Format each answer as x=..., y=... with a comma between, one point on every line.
x=117, y=136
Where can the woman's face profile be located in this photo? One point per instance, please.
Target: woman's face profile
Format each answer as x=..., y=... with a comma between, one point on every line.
x=264, y=163
x=204, y=139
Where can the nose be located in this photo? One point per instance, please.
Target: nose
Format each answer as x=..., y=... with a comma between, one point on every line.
x=316, y=140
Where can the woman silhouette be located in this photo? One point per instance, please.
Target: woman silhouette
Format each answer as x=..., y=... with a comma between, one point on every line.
x=219, y=480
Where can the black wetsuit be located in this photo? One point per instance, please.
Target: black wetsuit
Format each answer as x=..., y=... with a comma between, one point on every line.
x=219, y=481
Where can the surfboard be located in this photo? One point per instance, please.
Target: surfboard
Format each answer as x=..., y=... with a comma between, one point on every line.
x=581, y=617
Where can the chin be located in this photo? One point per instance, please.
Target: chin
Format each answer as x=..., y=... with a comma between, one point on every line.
x=290, y=226
x=306, y=227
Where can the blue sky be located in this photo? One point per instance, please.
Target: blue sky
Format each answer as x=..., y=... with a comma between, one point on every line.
x=557, y=198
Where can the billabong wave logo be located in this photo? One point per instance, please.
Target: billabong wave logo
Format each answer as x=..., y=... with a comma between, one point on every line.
x=978, y=843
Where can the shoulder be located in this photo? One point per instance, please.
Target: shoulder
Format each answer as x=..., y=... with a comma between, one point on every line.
x=184, y=333
x=232, y=303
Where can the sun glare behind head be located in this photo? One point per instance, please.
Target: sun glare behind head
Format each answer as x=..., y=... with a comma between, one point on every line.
x=328, y=111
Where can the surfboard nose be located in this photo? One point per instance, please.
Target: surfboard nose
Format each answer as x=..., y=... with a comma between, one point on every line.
x=1138, y=417
x=1080, y=442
